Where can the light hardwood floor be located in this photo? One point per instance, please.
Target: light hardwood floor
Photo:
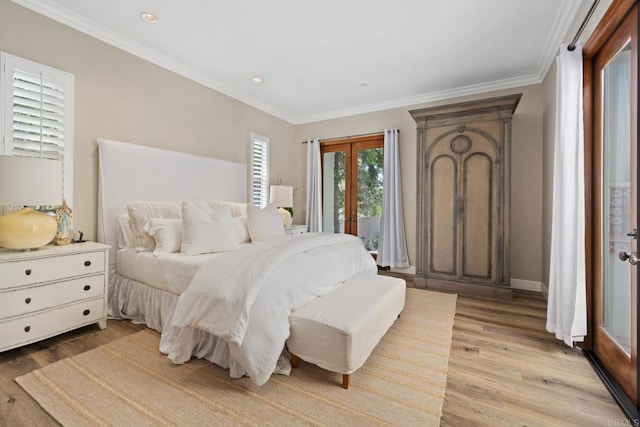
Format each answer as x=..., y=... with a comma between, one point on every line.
x=504, y=370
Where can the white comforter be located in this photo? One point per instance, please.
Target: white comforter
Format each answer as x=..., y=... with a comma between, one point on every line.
x=246, y=296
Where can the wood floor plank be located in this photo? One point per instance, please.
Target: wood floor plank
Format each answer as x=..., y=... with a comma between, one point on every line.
x=512, y=372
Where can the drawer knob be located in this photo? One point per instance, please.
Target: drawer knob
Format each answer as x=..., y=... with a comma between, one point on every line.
x=27, y=272
x=86, y=312
x=27, y=300
x=87, y=287
x=87, y=263
x=27, y=328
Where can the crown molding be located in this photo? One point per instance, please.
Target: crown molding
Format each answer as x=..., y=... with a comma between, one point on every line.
x=496, y=85
x=561, y=25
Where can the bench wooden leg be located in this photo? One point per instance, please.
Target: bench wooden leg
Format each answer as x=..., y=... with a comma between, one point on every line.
x=294, y=361
x=346, y=381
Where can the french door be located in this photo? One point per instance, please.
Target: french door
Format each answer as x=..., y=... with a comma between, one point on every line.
x=352, y=187
x=613, y=76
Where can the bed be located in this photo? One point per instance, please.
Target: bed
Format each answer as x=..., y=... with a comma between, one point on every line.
x=229, y=305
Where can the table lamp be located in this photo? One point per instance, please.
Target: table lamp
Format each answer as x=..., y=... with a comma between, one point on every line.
x=282, y=197
x=28, y=181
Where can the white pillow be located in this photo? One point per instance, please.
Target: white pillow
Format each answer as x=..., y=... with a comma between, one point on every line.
x=237, y=209
x=125, y=234
x=206, y=230
x=241, y=229
x=264, y=224
x=167, y=233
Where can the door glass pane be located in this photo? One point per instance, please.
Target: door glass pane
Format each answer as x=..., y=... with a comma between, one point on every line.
x=370, y=161
x=333, y=191
x=617, y=214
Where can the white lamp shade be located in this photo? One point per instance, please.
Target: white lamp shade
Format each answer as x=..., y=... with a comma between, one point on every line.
x=29, y=181
x=281, y=196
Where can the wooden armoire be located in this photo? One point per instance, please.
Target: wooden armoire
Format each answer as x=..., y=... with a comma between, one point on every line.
x=463, y=196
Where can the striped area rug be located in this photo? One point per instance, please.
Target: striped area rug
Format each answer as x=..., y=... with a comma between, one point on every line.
x=128, y=382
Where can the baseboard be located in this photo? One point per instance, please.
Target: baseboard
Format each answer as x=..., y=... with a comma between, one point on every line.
x=526, y=285
x=545, y=292
x=405, y=270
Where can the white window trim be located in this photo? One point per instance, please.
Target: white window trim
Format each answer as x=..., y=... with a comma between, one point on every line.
x=7, y=63
x=265, y=180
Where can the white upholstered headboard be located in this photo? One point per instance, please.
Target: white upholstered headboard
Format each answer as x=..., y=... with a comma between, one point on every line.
x=130, y=172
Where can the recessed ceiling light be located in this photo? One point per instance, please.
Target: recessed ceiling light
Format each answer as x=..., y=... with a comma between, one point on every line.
x=148, y=17
x=258, y=79
x=363, y=85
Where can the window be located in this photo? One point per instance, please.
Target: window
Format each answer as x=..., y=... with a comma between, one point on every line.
x=36, y=113
x=259, y=170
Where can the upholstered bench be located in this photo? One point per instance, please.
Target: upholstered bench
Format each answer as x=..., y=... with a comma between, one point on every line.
x=338, y=331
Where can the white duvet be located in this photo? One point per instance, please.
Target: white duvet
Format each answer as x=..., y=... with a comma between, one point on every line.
x=245, y=297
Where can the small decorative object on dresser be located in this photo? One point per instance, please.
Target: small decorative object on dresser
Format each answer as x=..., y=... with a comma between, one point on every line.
x=295, y=229
x=50, y=291
x=63, y=218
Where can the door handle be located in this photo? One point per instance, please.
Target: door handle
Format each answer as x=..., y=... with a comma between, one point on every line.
x=633, y=233
x=633, y=257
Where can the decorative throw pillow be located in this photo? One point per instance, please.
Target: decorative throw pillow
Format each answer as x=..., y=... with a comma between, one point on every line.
x=241, y=229
x=167, y=233
x=237, y=209
x=140, y=212
x=264, y=224
x=206, y=230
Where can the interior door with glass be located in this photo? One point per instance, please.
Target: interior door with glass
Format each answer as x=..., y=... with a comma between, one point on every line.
x=615, y=135
x=352, y=172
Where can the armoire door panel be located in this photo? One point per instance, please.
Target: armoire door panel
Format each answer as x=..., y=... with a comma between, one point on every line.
x=478, y=218
x=443, y=229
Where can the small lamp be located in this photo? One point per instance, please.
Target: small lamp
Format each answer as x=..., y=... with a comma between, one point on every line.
x=28, y=181
x=282, y=197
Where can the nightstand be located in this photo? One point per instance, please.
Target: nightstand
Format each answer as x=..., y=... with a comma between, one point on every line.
x=295, y=229
x=51, y=290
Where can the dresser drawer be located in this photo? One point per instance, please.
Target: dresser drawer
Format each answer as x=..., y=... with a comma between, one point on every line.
x=30, y=328
x=48, y=269
x=35, y=298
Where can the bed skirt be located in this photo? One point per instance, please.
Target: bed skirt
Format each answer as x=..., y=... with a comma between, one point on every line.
x=130, y=299
x=142, y=304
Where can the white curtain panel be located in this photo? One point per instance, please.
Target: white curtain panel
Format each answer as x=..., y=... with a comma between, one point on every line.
x=314, y=186
x=392, y=247
x=567, y=307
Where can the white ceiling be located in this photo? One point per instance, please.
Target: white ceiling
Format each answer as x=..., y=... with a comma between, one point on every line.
x=314, y=55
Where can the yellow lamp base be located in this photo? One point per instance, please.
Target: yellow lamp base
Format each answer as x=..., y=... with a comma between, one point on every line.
x=26, y=229
x=286, y=217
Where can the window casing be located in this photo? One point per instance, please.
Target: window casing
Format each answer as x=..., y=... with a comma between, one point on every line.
x=258, y=170
x=36, y=114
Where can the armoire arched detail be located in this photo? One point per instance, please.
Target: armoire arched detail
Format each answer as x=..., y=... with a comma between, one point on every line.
x=461, y=131
x=463, y=196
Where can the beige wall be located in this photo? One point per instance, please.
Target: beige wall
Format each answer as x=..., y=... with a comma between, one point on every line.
x=122, y=97
x=526, y=163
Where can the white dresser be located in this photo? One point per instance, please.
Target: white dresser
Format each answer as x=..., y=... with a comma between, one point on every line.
x=51, y=290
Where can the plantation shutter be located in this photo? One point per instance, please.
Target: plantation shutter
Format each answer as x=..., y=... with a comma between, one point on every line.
x=259, y=170
x=37, y=114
